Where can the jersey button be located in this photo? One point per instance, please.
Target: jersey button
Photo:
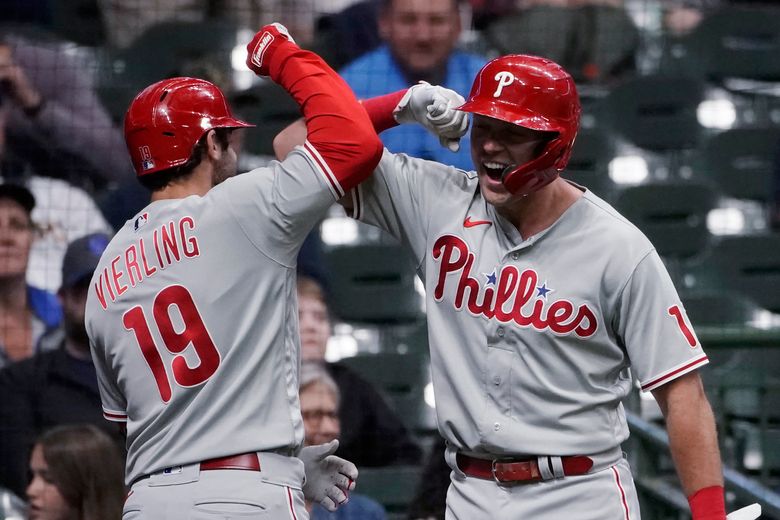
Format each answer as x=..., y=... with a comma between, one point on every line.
x=497, y=380
x=515, y=256
x=496, y=426
x=500, y=332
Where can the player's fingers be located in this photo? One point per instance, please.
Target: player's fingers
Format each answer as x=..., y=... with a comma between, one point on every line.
x=328, y=504
x=336, y=494
x=343, y=466
x=344, y=482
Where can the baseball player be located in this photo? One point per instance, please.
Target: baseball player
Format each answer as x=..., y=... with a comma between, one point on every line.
x=192, y=312
x=542, y=301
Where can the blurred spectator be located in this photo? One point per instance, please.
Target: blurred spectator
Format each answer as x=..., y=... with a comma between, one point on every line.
x=26, y=312
x=319, y=409
x=63, y=211
x=347, y=34
x=420, y=38
x=372, y=433
x=429, y=503
x=77, y=474
x=58, y=386
x=595, y=40
x=56, y=123
x=126, y=20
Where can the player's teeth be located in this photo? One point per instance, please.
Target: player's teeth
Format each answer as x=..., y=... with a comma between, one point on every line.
x=493, y=165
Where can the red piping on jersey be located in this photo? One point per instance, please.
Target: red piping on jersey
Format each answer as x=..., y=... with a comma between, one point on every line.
x=338, y=191
x=622, y=491
x=114, y=416
x=673, y=373
x=290, y=502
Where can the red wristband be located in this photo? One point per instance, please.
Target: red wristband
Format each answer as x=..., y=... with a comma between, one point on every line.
x=708, y=504
x=380, y=110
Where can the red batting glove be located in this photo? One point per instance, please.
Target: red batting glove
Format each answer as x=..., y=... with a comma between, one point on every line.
x=263, y=46
x=708, y=504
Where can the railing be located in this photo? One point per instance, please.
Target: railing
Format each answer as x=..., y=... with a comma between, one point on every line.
x=648, y=438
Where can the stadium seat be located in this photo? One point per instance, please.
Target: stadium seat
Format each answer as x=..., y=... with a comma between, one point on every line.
x=401, y=378
x=733, y=42
x=593, y=42
x=748, y=264
x=673, y=215
x=589, y=162
x=373, y=283
x=741, y=162
x=269, y=107
x=392, y=486
x=171, y=49
x=656, y=112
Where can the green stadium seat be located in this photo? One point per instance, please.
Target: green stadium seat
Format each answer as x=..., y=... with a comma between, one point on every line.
x=269, y=107
x=593, y=42
x=747, y=264
x=401, y=378
x=392, y=486
x=673, y=215
x=589, y=162
x=656, y=112
x=373, y=283
x=734, y=42
x=741, y=162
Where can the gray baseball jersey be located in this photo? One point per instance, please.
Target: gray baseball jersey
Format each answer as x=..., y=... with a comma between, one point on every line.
x=192, y=317
x=531, y=340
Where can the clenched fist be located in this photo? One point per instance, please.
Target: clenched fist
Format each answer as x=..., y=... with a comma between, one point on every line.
x=262, y=47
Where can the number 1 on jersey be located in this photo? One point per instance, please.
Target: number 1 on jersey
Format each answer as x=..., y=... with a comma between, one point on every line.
x=675, y=311
x=175, y=342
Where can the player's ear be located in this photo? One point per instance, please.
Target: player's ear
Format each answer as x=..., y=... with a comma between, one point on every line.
x=214, y=148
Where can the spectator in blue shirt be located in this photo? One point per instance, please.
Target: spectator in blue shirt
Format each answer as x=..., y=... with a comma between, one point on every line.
x=420, y=38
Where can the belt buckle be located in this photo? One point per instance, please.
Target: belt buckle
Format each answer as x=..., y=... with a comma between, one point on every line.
x=493, y=470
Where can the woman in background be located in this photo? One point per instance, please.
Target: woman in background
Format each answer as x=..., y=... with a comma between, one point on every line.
x=77, y=474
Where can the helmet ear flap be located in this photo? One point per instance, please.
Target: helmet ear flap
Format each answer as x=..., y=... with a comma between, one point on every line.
x=539, y=172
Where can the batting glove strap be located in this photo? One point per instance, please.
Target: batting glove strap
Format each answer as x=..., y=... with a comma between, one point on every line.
x=329, y=478
x=266, y=51
x=434, y=107
x=708, y=504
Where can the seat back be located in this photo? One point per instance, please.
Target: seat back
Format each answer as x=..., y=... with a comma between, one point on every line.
x=749, y=264
x=589, y=162
x=734, y=42
x=673, y=215
x=401, y=378
x=741, y=161
x=373, y=283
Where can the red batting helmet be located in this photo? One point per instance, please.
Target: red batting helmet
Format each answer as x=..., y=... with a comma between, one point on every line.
x=534, y=93
x=167, y=119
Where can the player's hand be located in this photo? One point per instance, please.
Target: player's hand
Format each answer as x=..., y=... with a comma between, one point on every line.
x=261, y=49
x=434, y=108
x=329, y=478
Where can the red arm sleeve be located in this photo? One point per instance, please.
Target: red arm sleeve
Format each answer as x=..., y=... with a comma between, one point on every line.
x=380, y=110
x=341, y=138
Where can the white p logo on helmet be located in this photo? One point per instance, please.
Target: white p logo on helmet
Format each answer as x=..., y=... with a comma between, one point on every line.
x=504, y=78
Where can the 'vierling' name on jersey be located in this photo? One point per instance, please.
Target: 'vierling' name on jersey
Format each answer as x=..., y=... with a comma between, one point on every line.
x=172, y=242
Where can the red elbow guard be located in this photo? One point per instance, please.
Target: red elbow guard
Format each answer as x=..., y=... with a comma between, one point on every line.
x=708, y=504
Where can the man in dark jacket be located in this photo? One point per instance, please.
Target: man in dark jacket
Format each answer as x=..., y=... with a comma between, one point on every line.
x=57, y=386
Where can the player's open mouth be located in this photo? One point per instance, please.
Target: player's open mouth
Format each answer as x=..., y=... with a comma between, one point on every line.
x=494, y=170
